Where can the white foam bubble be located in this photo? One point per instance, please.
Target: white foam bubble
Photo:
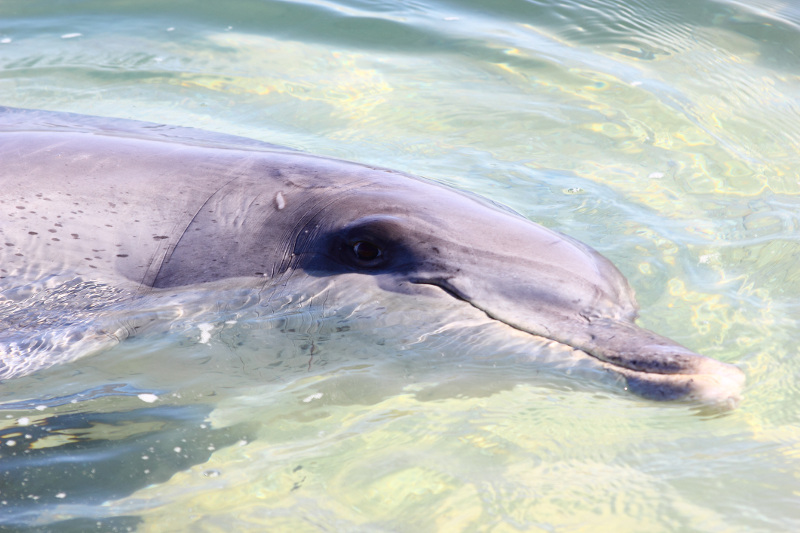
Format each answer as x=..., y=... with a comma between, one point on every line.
x=205, y=332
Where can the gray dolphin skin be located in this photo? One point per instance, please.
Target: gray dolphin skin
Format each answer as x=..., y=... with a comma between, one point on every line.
x=166, y=207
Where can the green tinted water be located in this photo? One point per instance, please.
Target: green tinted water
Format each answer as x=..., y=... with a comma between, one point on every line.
x=665, y=134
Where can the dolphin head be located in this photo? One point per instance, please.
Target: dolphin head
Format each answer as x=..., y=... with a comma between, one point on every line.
x=329, y=219
x=423, y=240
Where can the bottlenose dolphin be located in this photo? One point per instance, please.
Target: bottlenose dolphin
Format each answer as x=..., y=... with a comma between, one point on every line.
x=165, y=207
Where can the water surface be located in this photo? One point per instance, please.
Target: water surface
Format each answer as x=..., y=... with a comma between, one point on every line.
x=664, y=133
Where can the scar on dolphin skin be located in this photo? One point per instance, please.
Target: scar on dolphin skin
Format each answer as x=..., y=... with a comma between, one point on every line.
x=224, y=207
x=280, y=201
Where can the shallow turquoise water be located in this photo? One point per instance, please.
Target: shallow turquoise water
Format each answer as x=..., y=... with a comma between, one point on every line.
x=665, y=134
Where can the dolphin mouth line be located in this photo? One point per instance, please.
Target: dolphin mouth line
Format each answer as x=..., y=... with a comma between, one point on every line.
x=713, y=383
x=447, y=287
x=683, y=376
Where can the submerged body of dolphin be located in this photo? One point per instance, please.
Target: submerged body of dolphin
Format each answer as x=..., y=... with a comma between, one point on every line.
x=166, y=207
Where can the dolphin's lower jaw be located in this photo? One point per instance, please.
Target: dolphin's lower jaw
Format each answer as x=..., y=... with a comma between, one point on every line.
x=658, y=368
x=721, y=385
x=660, y=374
x=665, y=371
x=653, y=366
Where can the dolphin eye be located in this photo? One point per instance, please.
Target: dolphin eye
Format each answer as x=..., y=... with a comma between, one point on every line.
x=366, y=251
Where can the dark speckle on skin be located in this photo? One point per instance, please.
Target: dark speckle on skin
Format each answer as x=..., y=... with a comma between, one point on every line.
x=52, y=230
x=159, y=237
x=32, y=233
x=122, y=255
x=9, y=244
x=20, y=207
x=75, y=236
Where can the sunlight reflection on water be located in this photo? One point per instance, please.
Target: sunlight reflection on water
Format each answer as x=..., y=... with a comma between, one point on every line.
x=664, y=134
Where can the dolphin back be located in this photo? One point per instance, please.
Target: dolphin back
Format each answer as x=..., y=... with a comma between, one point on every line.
x=20, y=120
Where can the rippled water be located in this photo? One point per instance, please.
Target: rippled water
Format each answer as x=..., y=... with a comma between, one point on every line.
x=664, y=133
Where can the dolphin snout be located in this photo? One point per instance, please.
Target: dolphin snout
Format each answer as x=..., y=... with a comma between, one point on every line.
x=712, y=382
x=660, y=369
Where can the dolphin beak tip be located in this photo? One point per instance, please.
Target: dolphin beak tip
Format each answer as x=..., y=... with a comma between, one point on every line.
x=713, y=384
x=721, y=386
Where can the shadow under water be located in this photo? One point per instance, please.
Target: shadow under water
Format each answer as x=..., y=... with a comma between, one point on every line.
x=65, y=464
